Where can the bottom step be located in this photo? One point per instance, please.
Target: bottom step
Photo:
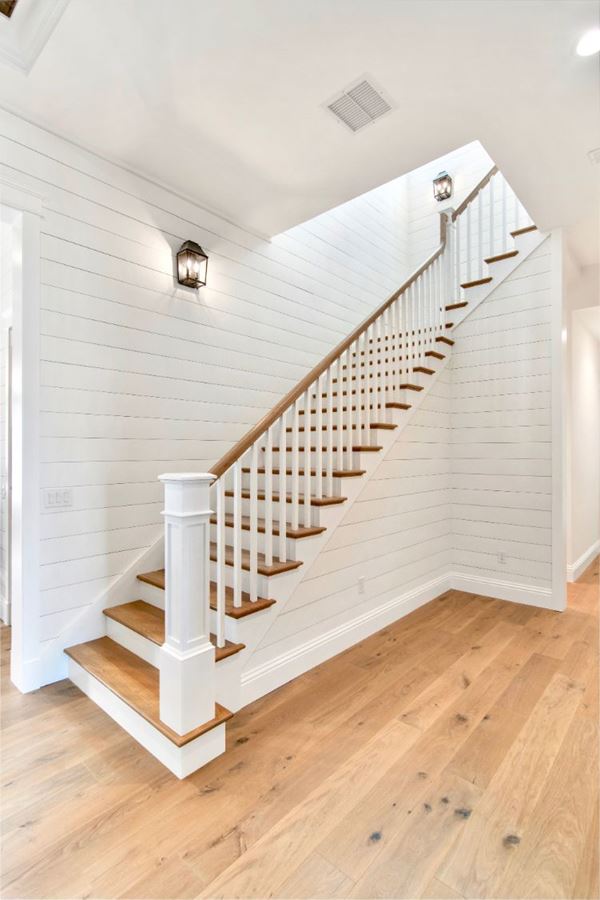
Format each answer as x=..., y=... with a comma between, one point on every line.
x=127, y=688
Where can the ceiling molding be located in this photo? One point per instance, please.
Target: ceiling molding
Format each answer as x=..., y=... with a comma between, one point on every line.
x=25, y=34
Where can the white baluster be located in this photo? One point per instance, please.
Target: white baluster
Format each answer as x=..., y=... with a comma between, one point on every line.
x=187, y=656
x=295, y=466
x=504, y=244
x=492, y=215
x=348, y=417
x=282, y=491
x=254, y=522
x=517, y=213
x=456, y=279
x=331, y=446
x=307, y=465
x=480, y=253
x=237, y=533
x=268, y=480
x=468, y=242
x=220, y=488
x=362, y=363
x=397, y=330
x=319, y=442
x=340, y=413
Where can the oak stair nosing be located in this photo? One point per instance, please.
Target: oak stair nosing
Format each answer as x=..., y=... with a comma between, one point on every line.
x=477, y=282
x=442, y=339
x=460, y=304
x=337, y=473
x=314, y=501
x=424, y=370
x=276, y=568
x=525, y=230
x=435, y=354
x=149, y=622
x=136, y=683
x=383, y=425
x=295, y=534
x=500, y=256
x=411, y=387
x=356, y=448
x=157, y=580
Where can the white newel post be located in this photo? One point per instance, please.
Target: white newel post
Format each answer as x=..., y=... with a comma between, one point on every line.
x=187, y=658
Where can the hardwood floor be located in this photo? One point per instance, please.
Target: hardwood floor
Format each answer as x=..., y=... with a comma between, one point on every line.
x=453, y=754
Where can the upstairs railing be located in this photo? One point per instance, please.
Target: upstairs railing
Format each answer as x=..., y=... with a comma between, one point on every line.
x=314, y=430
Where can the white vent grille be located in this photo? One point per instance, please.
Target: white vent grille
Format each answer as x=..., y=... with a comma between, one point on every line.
x=359, y=105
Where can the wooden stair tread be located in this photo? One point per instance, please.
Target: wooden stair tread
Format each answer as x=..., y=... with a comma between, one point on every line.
x=344, y=427
x=395, y=404
x=477, y=282
x=357, y=448
x=293, y=533
x=411, y=387
x=314, y=501
x=424, y=370
x=149, y=621
x=500, y=256
x=445, y=340
x=337, y=473
x=460, y=304
x=276, y=567
x=157, y=579
x=435, y=354
x=135, y=682
x=525, y=230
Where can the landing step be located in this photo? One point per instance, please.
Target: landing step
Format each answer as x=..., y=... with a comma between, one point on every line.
x=477, y=282
x=293, y=533
x=135, y=682
x=508, y=255
x=458, y=305
x=314, y=501
x=523, y=230
x=276, y=568
x=149, y=621
x=435, y=354
x=337, y=473
x=157, y=579
x=445, y=340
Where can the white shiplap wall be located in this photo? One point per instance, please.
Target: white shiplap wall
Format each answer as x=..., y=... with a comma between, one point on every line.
x=501, y=402
x=140, y=376
x=6, y=254
x=396, y=535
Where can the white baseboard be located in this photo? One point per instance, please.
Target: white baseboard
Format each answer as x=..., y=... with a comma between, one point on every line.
x=270, y=675
x=502, y=590
x=5, y=610
x=576, y=569
x=182, y=761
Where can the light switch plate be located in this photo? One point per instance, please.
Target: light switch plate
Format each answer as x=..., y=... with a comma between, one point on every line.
x=58, y=498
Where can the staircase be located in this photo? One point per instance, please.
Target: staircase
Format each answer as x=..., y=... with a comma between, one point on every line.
x=168, y=667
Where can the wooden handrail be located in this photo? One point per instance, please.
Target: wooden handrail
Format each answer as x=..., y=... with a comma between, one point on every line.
x=284, y=404
x=470, y=197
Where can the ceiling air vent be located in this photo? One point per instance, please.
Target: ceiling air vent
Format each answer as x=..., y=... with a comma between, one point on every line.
x=359, y=105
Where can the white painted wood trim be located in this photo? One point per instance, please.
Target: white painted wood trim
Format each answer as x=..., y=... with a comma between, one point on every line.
x=263, y=679
x=575, y=570
x=559, y=429
x=501, y=590
x=25, y=564
x=182, y=761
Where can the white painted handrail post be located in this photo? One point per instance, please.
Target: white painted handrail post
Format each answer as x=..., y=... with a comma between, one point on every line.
x=187, y=657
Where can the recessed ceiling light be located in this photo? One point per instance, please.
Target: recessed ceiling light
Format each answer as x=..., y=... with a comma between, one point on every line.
x=589, y=43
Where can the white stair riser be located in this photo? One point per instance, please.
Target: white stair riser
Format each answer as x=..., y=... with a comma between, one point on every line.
x=292, y=551
x=131, y=640
x=267, y=586
x=353, y=463
x=336, y=489
x=314, y=512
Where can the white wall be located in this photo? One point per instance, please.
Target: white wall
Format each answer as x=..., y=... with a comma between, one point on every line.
x=6, y=271
x=139, y=375
x=501, y=484
x=583, y=332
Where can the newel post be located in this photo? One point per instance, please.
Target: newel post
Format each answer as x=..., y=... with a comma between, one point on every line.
x=187, y=658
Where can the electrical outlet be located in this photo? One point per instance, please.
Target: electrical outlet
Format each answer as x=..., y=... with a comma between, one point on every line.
x=502, y=559
x=58, y=498
x=361, y=584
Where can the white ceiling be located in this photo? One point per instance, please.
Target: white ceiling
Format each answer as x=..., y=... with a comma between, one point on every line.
x=222, y=99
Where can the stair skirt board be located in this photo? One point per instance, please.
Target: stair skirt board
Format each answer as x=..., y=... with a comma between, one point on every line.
x=182, y=761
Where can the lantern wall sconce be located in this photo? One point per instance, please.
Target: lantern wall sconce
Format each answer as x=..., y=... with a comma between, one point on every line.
x=442, y=186
x=192, y=263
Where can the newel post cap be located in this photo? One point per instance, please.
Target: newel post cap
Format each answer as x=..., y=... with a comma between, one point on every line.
x=187, y=493
x=187, y=477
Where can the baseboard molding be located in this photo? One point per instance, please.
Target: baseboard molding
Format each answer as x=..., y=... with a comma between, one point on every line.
x=270, y=675
x=502, y=590
x=576, y=569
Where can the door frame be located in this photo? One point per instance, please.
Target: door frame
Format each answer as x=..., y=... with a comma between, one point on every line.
x=23, y=211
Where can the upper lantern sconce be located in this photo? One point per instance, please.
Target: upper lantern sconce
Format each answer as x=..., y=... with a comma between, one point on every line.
x=192, y=263
x=442, y=186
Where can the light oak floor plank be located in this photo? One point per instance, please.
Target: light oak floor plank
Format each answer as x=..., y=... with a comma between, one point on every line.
x=301, y=803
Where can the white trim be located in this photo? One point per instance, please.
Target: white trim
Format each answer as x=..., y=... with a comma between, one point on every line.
x=575, y=570
x=559, y=430
x=25, y=567
x=182, y=761
x=272, y=674
x=511, y=591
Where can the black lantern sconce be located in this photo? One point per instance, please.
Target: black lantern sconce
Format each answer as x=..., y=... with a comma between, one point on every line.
x=442, y=186
x=192, y=263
